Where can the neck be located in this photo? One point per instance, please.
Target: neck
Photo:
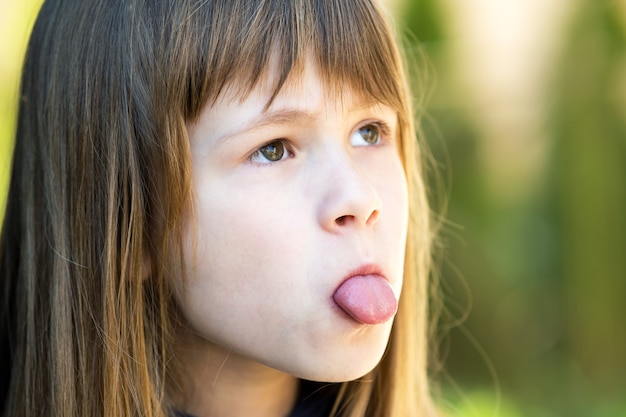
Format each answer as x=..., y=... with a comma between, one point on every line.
x=220, y=383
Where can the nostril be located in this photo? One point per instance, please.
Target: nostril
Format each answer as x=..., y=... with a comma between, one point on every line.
x=373, y=217
x=345, y=219
x=341, y=220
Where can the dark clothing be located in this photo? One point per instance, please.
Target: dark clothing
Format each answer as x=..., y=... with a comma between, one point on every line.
x=315, y=399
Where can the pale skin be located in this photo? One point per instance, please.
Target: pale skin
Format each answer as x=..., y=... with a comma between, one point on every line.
x=288, y=202
x=227, y=384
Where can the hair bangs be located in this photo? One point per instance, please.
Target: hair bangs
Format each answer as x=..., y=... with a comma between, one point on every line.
x=349, y=43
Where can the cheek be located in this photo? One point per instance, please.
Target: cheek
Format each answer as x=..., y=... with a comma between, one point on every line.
x=228, y=240
x=392, y=187
x=244, y=255
x=392, y=227
x=398, y=195
x=243, y=229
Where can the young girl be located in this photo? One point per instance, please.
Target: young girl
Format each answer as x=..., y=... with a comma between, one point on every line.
x=215, y=210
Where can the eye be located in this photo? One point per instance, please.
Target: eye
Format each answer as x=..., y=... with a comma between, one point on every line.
x=369, y=134
x=272, y=152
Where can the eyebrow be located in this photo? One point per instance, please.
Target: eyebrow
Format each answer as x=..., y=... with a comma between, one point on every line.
x=283, y=116
x=276, y=117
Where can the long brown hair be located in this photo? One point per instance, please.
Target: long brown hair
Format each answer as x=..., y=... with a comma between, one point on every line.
x=101, y=179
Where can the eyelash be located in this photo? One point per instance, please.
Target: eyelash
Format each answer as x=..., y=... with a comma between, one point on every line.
x=383, y=128
x=258, y=153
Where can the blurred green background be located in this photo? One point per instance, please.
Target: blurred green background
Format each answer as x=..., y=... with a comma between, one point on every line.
x=527, y=118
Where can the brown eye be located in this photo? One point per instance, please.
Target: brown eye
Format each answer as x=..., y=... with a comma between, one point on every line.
x=272, y=152
x=366, y=135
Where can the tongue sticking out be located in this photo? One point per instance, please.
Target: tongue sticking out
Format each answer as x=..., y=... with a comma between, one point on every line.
x=368, y=299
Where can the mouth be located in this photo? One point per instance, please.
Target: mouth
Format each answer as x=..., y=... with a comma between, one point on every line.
x=366, y=296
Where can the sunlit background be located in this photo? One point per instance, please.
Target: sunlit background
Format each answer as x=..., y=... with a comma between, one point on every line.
x=527, y=118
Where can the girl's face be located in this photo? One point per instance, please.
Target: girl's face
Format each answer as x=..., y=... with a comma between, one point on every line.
x=291, y=202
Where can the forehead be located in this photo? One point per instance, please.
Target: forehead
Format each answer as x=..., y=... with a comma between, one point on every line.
x=304, y=96
x=306, y=87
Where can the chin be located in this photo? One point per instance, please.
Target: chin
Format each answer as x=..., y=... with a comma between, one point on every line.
x=341, y=373
x=342, y=368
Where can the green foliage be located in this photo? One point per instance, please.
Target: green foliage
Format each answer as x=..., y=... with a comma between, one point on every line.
x=425, y=20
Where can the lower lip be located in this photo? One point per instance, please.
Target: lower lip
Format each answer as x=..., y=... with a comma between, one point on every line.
x=366, y=299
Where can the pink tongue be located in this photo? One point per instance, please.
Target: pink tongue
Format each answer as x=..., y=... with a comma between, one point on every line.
x=367, y=299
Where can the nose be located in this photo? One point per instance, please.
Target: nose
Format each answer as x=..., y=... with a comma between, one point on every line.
x=349, y=200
